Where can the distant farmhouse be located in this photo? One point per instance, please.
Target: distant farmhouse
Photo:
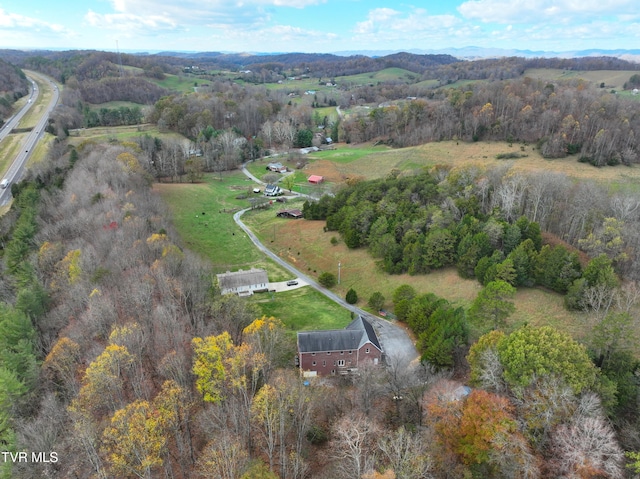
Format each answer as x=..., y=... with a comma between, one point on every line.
x=291, y=213
x=277, y=167
x=243, y=283
x=338, y=351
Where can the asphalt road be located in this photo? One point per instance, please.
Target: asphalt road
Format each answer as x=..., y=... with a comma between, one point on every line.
x=15, y=171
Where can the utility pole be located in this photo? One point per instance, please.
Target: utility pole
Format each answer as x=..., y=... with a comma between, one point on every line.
x=339, y=272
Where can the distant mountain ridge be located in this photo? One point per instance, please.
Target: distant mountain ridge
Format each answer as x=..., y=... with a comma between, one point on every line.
x=464, y=53
x=473, y=53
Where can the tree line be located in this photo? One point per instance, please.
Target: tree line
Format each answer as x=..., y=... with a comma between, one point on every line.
x=14, y=86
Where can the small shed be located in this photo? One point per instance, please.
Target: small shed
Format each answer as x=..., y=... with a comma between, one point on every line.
x=316, y=179
x=290, y=214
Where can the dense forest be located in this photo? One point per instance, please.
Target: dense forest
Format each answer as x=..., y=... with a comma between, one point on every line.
x=121, y=356
x=13, y=86
x=119, y=353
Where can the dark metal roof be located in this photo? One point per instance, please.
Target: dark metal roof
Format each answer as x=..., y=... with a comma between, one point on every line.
x=354, y=336
x=363, y=324
x=242, y=278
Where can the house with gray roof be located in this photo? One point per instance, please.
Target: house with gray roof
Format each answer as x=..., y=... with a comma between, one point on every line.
x=243, y=283
x=338, y=351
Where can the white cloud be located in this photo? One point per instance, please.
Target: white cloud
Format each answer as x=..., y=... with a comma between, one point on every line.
x=129, y=23
x=377, y=18
x=203, y=12
x=16, y=22
x=385, y=25
x=540, y=11
x=275, y=38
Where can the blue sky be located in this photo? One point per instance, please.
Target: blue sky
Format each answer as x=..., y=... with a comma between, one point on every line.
x=318, y=25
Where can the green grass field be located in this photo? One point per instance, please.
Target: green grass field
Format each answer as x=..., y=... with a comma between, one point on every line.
x=119, y=133
x=215, y=237
x=302, y=309
x=203, y=215
x=116, y=104
x=179, y=83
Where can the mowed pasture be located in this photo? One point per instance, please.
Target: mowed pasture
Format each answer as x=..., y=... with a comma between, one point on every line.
x=216, y=238
x=120, y=133
x=612, y=79
x=369, y=162
x=309, y=248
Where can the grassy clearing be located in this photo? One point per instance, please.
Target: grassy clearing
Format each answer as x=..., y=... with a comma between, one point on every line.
x=214, y=234
x=9, y=149
x=217, y=238
x=377, y=162
x=386, y=75
x=348, y=155
x=31, y=118
x=611, y=78
x=303, y=309
x=39, y=153
x=112, y=105
x=177, y=83
x=119, y=133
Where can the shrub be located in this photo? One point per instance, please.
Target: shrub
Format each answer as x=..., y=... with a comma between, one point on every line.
x=317, y=435
x=328, y=280
x=352, y=296
x=376, y=301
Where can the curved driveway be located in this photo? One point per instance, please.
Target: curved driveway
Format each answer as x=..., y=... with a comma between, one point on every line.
x=396, y=344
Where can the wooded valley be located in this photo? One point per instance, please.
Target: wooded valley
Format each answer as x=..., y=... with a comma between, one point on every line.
x=120, y=355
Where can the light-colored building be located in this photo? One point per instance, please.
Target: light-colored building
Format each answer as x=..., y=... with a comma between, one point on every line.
x=243, y=283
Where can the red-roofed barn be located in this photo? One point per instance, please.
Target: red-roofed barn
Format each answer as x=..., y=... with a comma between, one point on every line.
x=316, y=179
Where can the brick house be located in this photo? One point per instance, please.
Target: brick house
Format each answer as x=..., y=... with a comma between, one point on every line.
x=338, y=351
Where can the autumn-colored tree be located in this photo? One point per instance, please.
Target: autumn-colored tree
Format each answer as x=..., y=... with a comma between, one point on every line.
x=209, y=358
x=481, y=430
x=102, y=386
x=387, y=474
x=485, y=418
x=62, y=364
x=228, y=376
x=267, y=414
x=266, y=336
x=134, y=441
x=173, y=405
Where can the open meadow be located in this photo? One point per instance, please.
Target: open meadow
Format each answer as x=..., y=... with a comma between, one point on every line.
x=369, y=162
x=215, y=237
x=309, y=248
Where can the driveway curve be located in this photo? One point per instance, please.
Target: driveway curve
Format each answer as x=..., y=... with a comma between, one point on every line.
x=395, y=341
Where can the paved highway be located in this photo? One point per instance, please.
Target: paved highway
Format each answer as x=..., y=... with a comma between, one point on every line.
x=15, y=171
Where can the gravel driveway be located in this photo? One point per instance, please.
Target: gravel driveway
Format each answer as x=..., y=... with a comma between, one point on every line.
x=394, y=340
